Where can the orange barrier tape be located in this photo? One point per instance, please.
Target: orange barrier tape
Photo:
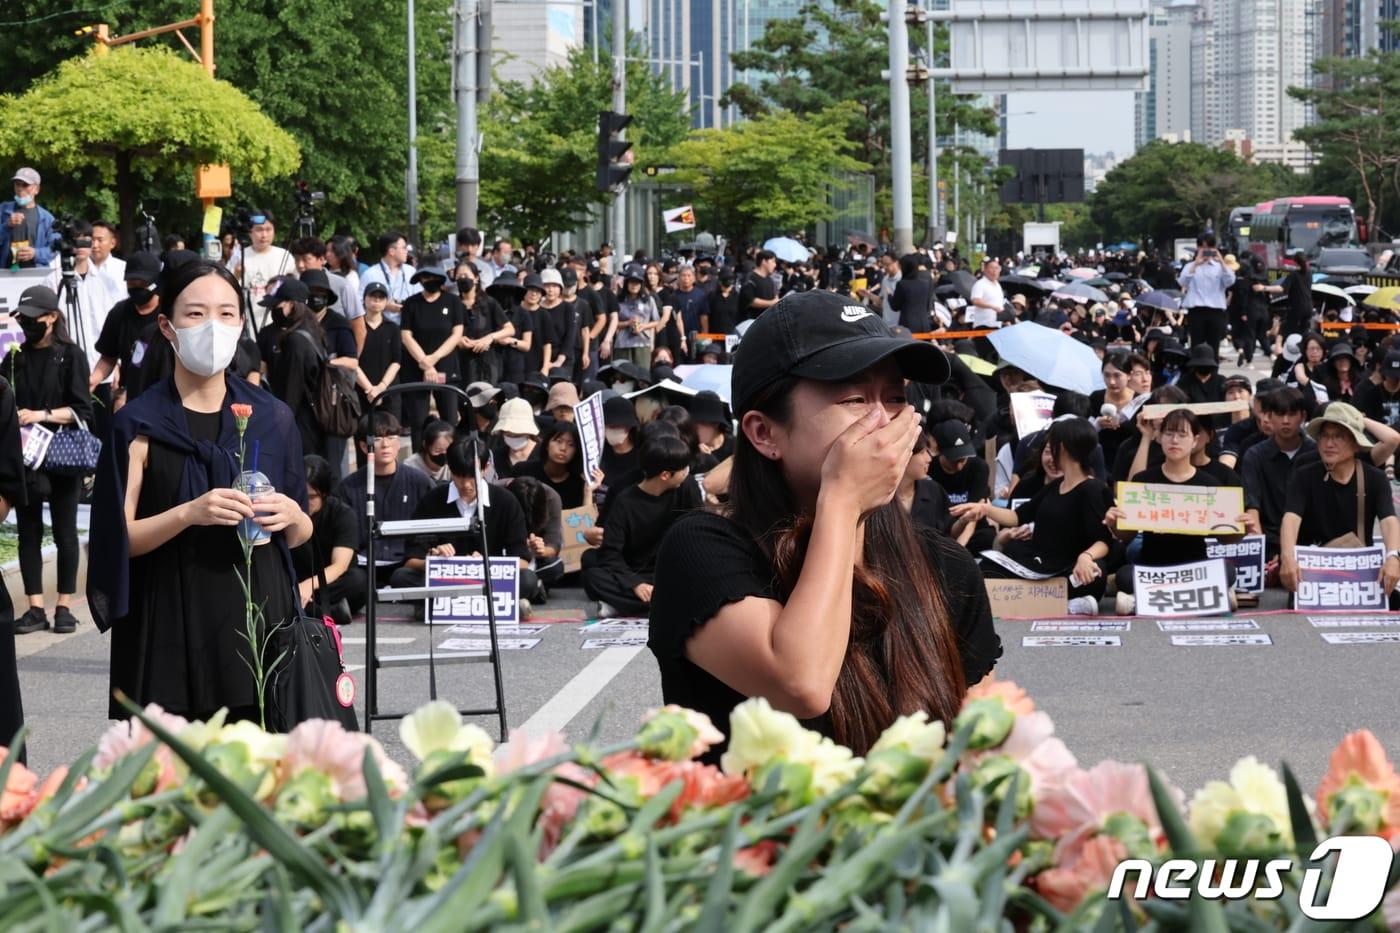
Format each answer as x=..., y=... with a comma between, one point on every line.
x=954, y=334
x=1343, y=325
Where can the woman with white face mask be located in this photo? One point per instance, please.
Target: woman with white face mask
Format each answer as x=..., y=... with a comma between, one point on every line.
x=166, y=517
x=516, y=438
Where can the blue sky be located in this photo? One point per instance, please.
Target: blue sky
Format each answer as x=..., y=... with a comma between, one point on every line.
x=1095, y=121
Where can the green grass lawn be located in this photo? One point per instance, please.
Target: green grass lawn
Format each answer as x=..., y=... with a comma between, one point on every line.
x=9, y=542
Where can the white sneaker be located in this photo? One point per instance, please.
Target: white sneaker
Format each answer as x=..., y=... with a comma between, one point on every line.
x=526, y=610
x=1124, y=604
x=1083, y=606
x=605, y=611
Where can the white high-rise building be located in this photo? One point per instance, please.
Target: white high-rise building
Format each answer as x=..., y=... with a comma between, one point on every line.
x=1164, y=109
x=527, y=38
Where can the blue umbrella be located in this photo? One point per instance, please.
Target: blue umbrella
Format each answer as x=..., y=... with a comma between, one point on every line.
x=1160, y=300
x=787, y=249
x=712, y=376
x=1053, y=357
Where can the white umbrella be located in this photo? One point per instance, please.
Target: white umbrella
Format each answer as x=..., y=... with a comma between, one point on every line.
x=787, y=249
x=1332, y=291
x=1360, y=289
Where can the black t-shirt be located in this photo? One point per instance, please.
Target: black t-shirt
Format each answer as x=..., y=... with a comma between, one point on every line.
x=707, y=562
x=911, y=300
x=570, y=489
x=538, y=321
x=724, y=311
x=967, y=485
x=339, y=338
x=930, y=506
x=563, y=325
x=513, y=361
x=1166, y=550
x=756, y=286
x=1378, y=404
x=332, y=527
x=383, y=348
x=483, y=317
x=1328, y=508
x=1066, y=524
x=126, y=335
x=637, y=521
x=431, y=324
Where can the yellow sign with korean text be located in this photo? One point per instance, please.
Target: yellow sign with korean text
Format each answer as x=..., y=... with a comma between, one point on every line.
x=1181, y=510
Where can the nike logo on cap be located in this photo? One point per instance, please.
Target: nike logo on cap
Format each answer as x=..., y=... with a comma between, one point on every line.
x=852, y=313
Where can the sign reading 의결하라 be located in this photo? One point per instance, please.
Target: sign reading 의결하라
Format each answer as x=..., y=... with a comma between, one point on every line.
x=1247, y=556
x=1197, y=589
x=1339, y=578
x=470, y=608
x=1181, y=510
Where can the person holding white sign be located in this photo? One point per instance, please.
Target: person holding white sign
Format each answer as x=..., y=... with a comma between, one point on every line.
x=1336, y=500
x=1177, y=437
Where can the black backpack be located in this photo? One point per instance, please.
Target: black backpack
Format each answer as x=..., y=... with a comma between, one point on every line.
x=336, y=405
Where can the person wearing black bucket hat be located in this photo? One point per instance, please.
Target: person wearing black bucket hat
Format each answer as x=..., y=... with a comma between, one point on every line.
x=774, y=597
x=1343, y=376
x=713, y=427
x=1202, y=382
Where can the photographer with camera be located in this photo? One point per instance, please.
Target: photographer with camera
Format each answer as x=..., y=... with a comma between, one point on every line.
x=26, y=229
x=1204, y=281
x=84, y=296
x=261, y=262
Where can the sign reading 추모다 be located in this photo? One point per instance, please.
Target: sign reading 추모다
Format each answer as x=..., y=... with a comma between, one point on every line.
x=1181, y=510
x=1197, y=589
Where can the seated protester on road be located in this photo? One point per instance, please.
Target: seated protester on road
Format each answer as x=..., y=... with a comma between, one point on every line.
x=481, y=409
x=1168, y=362
x=1322, y=507
x=1309, y=373
x=544, y=532
x=713, y=429
x=1067, y=403
x=1379, y=398
x=1036, y=470
x=925, y=500
x=1267, y=465
x=506, y=533
x=515, y=439
x=1344, y=376
x=560, y=467
x=619, y=462
x=397, y=492
x=1246, y=428
x=1069, y=535
x=1118, y=392
x=1178, y=437
x=680, y=417
x=331, y=550
x=964, y=477
x=431, y=459
x=760, y=600
x=1202, y=382
x=1129, y=460
x=622, y=575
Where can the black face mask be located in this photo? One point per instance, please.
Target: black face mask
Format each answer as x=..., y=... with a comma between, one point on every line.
x=465, y=284
x=279, y=316
x=139, y=296
x=432, y=286
x=431, y=460
x=317, y=303
x=34, y=330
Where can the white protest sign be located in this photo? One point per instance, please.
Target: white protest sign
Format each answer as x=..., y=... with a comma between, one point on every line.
x=1011, y=566
x=479, y=629
x=1339, y=578
x=636, y=640
x=484, y=644
x=1247, y=556
x=1215, y=641
x=1359, y=638
x=1184, y=590
x=619, y=622
x=1032, y=411
x=1071, y=641
x=588, y=418
x=1353, y=621
x=1208, y=625
x=1066, y=626
x=34, y=440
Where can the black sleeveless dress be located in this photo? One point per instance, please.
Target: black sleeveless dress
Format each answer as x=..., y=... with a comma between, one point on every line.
x=181, y=644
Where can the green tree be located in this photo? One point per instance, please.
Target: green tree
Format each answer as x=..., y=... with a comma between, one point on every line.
x=332, y=72
x=833, y=52
x=539, y=151
x=770, y=174
x=1357, y=132
x=1177, y=189
x=169, y=113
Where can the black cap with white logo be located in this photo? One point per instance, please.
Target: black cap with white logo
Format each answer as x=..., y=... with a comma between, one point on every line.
x=827, y=337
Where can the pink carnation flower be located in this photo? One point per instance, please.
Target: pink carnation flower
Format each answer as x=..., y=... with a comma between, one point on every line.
x=325, y=746
x=1087, y=868
x=1080, y=803
x=561, y=801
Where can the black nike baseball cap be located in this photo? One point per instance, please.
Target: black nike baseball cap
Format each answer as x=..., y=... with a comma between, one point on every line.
x=827, y=337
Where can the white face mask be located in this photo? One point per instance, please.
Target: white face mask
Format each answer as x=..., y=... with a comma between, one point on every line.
x=516, y=443
x=615, y=436
x=622, y=387
x=207, y=348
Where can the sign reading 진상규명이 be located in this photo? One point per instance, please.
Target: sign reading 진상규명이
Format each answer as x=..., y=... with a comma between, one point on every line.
x=470, y=608
x=1247, y=557
x=1181, y=510
x=1339, y=579
x=1197, y=589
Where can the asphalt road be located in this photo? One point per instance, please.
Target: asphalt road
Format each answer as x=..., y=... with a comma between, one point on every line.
x=1191, y=711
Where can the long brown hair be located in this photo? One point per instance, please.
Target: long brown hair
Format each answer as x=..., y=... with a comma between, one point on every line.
x=902, y=656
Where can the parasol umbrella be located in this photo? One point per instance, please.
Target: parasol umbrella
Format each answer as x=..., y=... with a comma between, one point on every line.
x=1117, y=277
x=1054, y=358
x=1083, y=272
x=1080, y=293
x=702, y=376
x=978, y=365
x=1331, y=294
x=1102, y=281
x=1387, y=299
x=963, y=281
x=1362, y=290
x=787, y=249
x=1159, y=299
x=1025, y=285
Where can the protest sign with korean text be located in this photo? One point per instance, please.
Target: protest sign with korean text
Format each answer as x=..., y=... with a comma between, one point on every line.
x=1339, y=579
x=1181, y=510
x=1247, y=557
x=1031, y=411
x=470, y=608
x=1197, y=589
x=1028, y=598
x=588, y=418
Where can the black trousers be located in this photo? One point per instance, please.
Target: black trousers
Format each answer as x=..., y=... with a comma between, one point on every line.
x=1206, y=325
x=415, y=411
x=61, y=492
x=605, y=585
x=351, y=586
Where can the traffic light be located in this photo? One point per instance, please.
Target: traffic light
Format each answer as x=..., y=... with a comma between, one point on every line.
x=614, y=154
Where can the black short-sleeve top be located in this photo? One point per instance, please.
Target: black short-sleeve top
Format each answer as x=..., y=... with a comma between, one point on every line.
x=707, y=562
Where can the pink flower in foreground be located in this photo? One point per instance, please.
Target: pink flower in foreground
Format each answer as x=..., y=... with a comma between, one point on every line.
x=704, y=786
x=1360, y=769
x=1033, y=746
x=325, y=746
x=17, y=796
x=1083, y=800
x=757, y=859
x=1014, y=697
x=561, y=801
x=706, y=735
x=1086, y=869
x=124, y=737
